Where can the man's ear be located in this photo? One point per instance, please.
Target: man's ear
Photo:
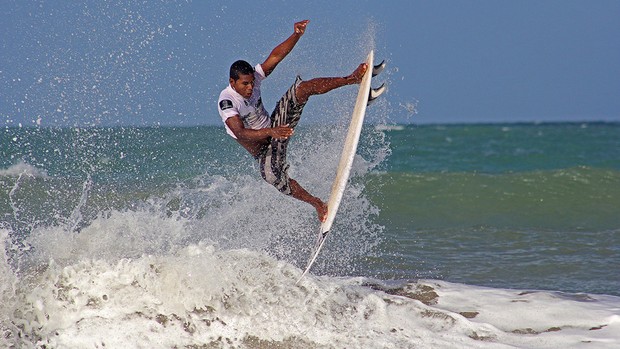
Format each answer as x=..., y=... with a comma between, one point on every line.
x=231, y=81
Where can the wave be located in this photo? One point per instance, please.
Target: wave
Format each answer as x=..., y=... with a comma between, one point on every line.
x=382, y=127
x=206, y=264
x=201, y=296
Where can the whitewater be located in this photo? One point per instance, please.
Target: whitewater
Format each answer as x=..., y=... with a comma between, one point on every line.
x=203, y=296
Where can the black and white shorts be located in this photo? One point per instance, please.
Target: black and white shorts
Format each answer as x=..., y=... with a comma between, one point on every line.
x=272, y=159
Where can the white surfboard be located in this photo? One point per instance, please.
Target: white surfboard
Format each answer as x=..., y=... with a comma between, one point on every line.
x=364, y=96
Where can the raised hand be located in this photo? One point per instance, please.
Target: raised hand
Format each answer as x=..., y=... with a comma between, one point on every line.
x=300, y=27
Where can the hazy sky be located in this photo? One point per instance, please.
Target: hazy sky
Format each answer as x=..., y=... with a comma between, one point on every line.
x=128, y=62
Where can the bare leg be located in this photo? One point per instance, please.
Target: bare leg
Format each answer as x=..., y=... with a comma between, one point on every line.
x=323, y=85
x=300, y=193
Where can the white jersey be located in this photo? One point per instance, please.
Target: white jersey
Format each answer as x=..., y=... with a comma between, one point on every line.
x=251, y=111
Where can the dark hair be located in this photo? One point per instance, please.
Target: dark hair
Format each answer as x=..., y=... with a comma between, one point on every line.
x=240, y=67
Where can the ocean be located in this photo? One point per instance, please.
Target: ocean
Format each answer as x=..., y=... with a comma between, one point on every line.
x=448, y=236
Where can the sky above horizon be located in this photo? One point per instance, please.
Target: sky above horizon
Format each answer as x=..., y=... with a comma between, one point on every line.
x=164, y=62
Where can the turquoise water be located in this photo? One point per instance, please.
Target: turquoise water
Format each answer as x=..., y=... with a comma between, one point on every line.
x=525, y=205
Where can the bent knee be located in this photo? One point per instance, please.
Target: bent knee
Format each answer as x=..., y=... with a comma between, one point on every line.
x=303, y=91
x=280, y=181
x=282, y=184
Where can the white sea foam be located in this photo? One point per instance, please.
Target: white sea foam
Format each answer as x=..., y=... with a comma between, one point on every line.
x=389, y=127
x=22, y=168
x=202, y=295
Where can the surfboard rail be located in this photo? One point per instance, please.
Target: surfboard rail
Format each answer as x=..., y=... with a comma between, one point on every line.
x=343, y=171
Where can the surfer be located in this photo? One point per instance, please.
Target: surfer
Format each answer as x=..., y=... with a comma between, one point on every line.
x=266, y=137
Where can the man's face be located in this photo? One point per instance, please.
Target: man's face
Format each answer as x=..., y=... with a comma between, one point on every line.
x=244, y=85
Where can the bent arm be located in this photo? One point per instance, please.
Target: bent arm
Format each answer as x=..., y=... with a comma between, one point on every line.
x=282, y=50
x=252, y=140
x=236, y=126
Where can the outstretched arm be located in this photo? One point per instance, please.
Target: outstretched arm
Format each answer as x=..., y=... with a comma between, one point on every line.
x=277, y=55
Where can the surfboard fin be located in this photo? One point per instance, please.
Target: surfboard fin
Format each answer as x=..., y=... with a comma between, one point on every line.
x=375, y=93
x=377, y=69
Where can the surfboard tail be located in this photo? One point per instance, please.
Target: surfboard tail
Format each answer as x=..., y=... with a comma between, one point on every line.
x=375, y=93
x=377, y=69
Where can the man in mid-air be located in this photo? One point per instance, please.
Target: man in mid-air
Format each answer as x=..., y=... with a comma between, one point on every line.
x=266, y=137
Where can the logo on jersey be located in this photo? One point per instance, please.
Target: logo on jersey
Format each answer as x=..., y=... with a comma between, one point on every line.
x=225, y=104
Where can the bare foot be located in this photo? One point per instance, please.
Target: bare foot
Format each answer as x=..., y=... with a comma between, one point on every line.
x=321, y=210
x=358, y=74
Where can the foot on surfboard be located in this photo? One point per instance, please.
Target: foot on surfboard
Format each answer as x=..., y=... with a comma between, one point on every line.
x=376, y=92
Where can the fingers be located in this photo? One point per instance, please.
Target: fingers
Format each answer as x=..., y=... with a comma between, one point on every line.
x=300, y=27
x=283, y=132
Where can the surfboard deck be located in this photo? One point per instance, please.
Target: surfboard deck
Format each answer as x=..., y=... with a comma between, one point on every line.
x=365, y=95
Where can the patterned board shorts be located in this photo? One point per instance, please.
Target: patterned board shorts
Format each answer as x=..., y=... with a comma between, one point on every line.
x=272, y=158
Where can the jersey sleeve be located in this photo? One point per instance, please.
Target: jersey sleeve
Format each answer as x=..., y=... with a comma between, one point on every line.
x=226, y=107
x=259, y=73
